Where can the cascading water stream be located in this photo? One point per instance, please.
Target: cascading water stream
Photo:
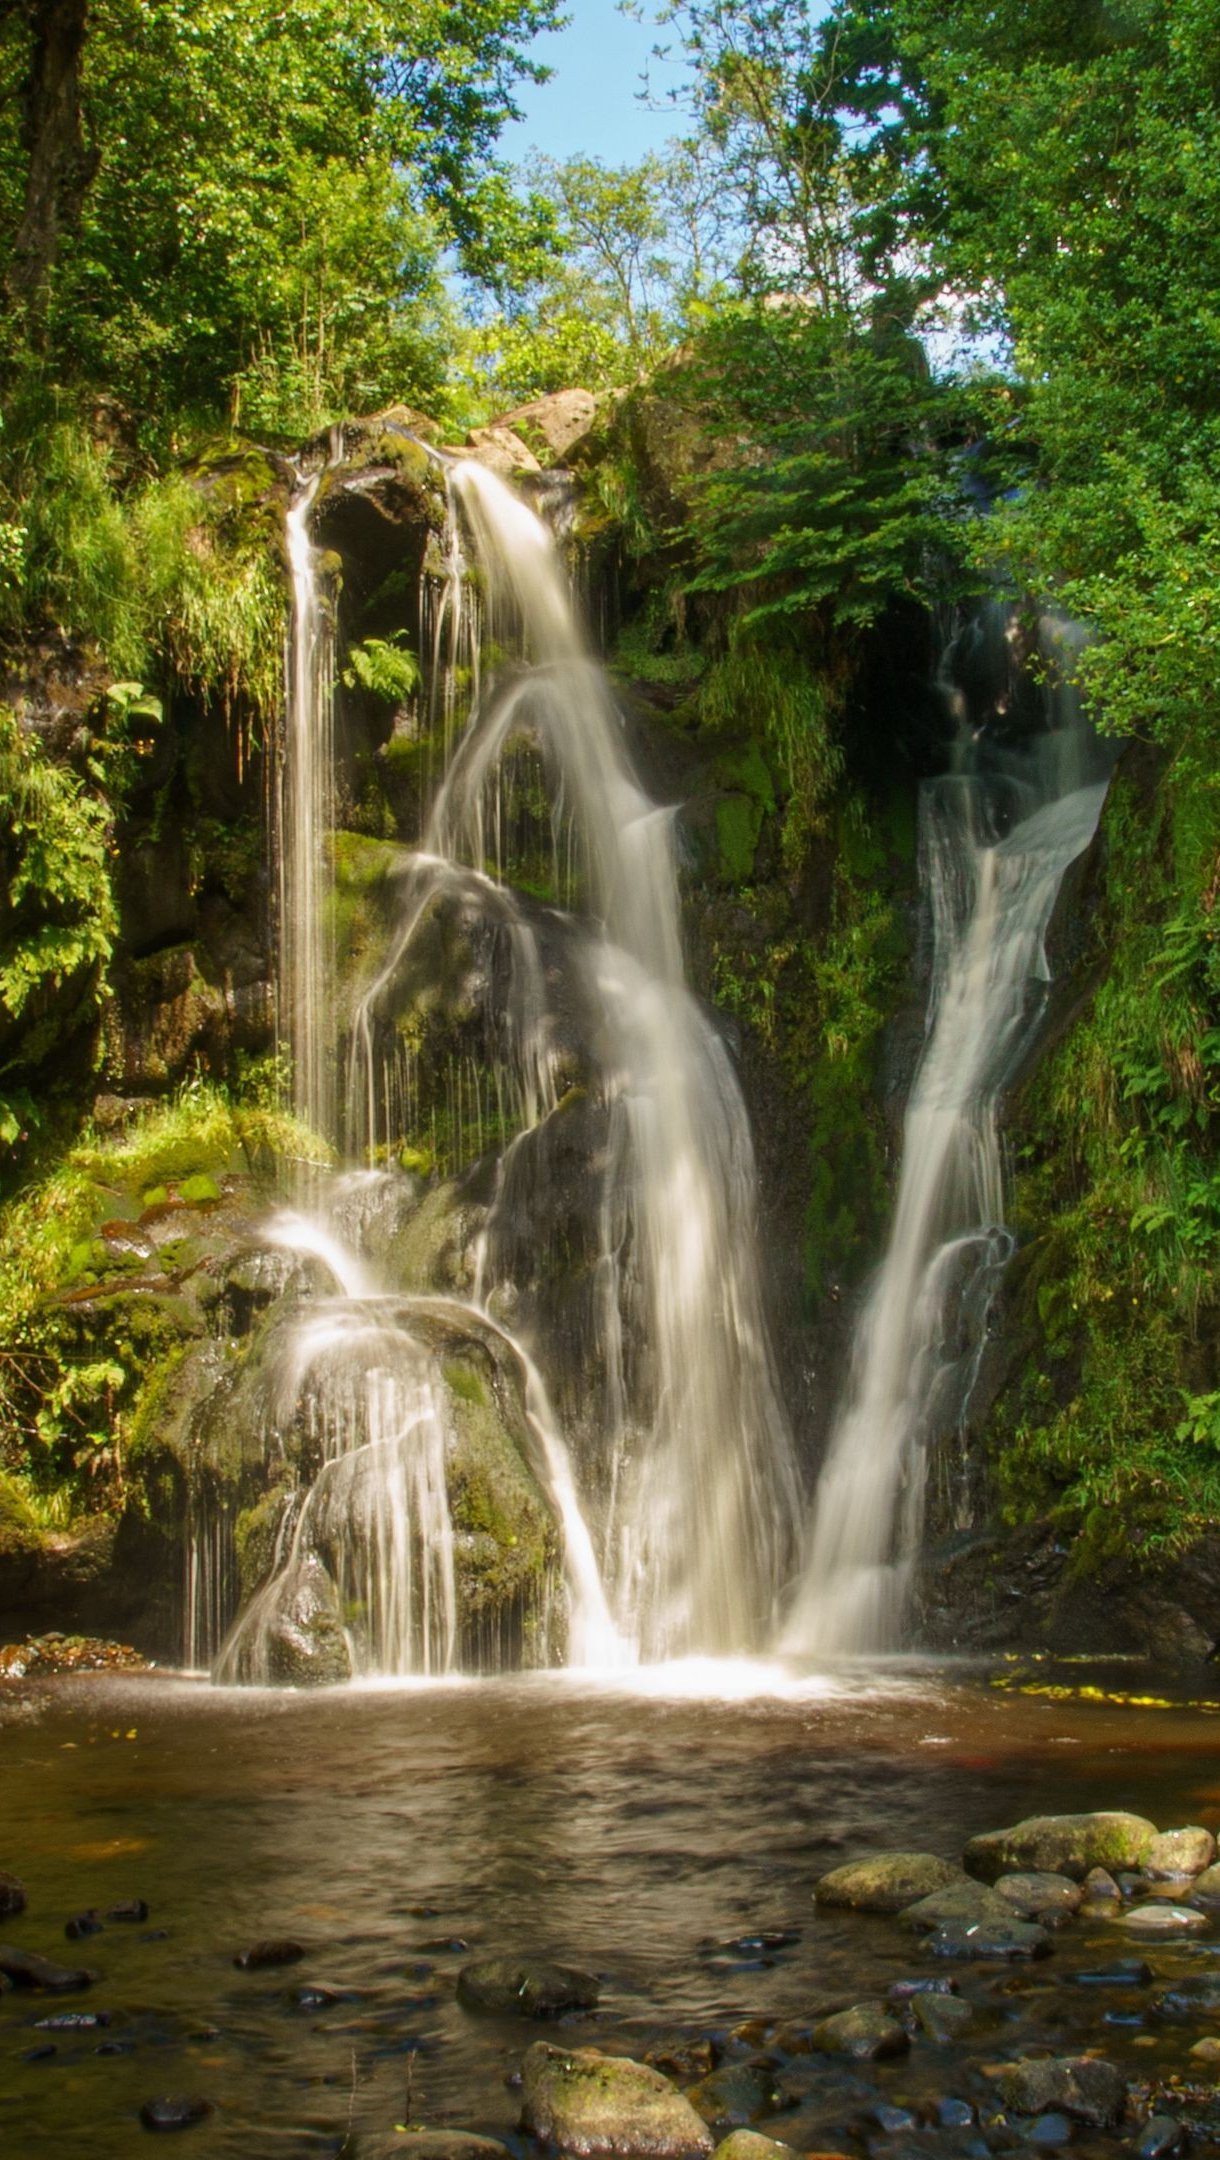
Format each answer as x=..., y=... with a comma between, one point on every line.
x=997, y=837
x=698, y=1488
x=305, y=797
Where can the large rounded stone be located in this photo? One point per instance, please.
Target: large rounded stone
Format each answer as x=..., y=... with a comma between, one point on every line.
x=865, y=2033
x=1177, y=1854
x=888, y=1882
x=1088, y=2090
x=1206, y=1887
x=526, y=1987
x=587, y=2102
x=1062, y=1845
x=25, y=1969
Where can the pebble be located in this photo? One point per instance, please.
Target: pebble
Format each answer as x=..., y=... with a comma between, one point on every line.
x=1160, y=2136
x=83, y=1924
x=131, y=1909
x=1048, y=2131
x=40, y=2054
x=892, y=2119
x=954, y=2114
x=175, y=2112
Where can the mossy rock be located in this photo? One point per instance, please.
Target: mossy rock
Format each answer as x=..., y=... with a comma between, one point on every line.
x=506, y=1542
x=254, y=1539
x=1063, y=1845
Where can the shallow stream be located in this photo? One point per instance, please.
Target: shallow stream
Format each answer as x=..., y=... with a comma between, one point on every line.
x=646, y=1834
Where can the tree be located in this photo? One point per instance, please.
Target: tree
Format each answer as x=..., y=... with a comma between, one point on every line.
x=252, y=171
x=638, y=249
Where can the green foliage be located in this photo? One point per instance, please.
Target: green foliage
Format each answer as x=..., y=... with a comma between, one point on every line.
x=165, y=578
x=834, y=497
x=72, y=1376
x=384, y=667
x=273, y=192
x=57, y=920
x=770, y=686
x=1118, y=1194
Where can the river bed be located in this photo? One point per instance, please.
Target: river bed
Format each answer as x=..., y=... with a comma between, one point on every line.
x=643, y=1831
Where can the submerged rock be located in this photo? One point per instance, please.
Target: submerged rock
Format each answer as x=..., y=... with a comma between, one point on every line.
x=888, y=1882
x=12, y=1896
x=1039, y=1896
x=963, y=1904
x=737, y=2094
x=586, y=2103
x=987, y=1940
x=266, y=1956
x=1089, y=2090
x=1062, y=1845
x=866, y=2033
x=1159, y=1918
x=175, y=2112
x=939, y=2018
x=527, y=1987
x=26, y=1969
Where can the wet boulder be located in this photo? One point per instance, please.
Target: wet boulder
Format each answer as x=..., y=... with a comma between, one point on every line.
x=738, y=2094
x=526, y=1987
x=1080, y=2086
x=866, y=2033
x=962, y=1904
x=1178, y=1854
x=1062, y=1845
x=939, y=2018
x=1038, y=1896
x=887, y=1882
x=585, y=2102
x=1206, y=1887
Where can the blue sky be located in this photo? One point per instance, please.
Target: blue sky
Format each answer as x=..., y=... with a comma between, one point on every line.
x=590, y=106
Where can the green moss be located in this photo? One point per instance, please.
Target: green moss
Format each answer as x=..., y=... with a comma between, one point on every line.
x=199, y=1190
x=464, y=1382
x=738, y=825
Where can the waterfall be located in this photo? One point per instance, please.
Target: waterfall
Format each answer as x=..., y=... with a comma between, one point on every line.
x=692, y=1503
x=304, y=817
x=676, y=1519
x=997, y=835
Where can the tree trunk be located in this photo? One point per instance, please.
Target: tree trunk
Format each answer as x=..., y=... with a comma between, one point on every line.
x=61, y=164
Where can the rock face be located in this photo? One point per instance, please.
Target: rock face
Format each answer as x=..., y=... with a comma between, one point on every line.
x=888, y=1882
x=529, y=1988
x=1062, y=1845
x=1088, y=2090
x=557, y=421
x=588, y=2103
